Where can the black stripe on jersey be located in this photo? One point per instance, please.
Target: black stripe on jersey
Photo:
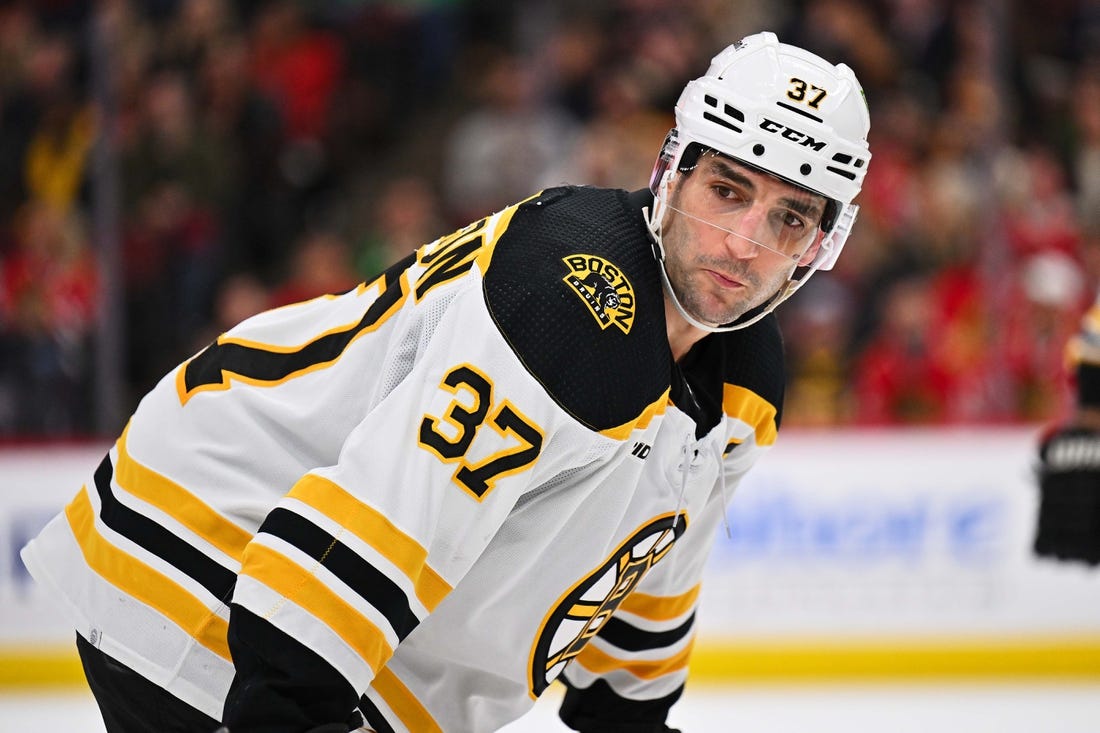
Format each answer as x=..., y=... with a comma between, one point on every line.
x=158, y=540
x=375, y=721
x=211, y=365
x=632, y=639
x=355, y=572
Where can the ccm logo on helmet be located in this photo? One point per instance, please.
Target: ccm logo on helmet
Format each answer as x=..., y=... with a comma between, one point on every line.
x=778, y=128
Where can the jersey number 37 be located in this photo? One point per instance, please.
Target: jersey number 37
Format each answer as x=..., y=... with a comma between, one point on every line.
x=451, y=436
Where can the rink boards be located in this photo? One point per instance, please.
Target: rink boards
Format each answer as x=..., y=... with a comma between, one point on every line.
x=848, y=555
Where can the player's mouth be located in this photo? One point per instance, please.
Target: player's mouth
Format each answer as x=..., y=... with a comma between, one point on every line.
x=725, y=281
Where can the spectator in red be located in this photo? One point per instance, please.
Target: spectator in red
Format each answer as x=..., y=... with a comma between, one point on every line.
x=1051, y=296
x=1039, y=208
x=897, y=377
x=321, y=265
x=298, y=66
x=48, y=296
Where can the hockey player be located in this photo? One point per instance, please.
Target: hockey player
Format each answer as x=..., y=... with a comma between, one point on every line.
x=1068, y=526
x=413, y=506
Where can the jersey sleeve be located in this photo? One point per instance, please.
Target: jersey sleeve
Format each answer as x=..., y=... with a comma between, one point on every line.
x=357, y=554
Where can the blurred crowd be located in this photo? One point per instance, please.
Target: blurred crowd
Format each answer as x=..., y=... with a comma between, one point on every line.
x=169, y=167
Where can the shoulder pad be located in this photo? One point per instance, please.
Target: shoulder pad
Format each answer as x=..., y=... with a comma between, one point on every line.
x=573, y=287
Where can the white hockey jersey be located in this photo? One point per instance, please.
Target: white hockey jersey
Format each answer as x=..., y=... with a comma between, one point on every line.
x=438, y=490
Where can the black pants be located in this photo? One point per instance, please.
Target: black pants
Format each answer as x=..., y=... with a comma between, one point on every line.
x=130, y=703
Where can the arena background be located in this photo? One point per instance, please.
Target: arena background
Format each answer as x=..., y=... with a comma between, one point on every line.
x=168, y=167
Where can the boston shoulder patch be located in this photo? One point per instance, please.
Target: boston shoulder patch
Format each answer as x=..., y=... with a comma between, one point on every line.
x=575, y=291
x=603, y=288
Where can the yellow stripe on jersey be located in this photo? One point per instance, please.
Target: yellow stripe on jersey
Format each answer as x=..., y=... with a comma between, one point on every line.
x=622, y=432
x=143, y=582
x=303, y=588
x=412, y=714
x=375, y=529
x=598, y=661
x=746, y=405
x=660, y=608
x=178, y=503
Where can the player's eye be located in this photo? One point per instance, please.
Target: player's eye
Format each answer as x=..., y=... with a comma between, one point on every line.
x=727, y=193
x=793, y=221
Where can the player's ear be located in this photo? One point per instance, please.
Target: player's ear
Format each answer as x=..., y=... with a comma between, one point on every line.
x=811, y=253
x=674, y=181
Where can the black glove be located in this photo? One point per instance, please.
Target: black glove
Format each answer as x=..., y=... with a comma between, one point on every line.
x=1069, y=495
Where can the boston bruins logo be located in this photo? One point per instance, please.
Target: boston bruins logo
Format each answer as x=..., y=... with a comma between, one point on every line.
x=604, y=289
x=584, y=609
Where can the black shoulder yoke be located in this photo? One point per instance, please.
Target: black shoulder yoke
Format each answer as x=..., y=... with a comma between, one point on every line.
x=750, y=357
x=574, y=288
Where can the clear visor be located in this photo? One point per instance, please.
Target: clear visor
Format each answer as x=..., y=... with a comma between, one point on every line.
x=725, y=194
x=785, y=249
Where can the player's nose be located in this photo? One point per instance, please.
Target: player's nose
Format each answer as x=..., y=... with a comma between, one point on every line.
x=742, y=234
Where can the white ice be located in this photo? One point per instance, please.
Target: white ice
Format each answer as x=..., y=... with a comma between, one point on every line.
x=1045, y=707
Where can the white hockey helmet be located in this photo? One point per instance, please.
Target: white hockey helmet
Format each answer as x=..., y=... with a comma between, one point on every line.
x=784, y=111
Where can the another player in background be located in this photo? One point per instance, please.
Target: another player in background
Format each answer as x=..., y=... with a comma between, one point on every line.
x=415, y=505
x=1069, y=460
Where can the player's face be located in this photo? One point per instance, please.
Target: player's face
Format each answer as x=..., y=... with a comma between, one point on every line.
x=734, y=235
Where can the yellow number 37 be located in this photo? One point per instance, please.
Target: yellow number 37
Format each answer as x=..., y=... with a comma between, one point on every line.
x=471, y=408
x=808, y=94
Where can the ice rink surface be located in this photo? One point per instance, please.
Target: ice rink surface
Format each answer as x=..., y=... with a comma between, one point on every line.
x=841, y=708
